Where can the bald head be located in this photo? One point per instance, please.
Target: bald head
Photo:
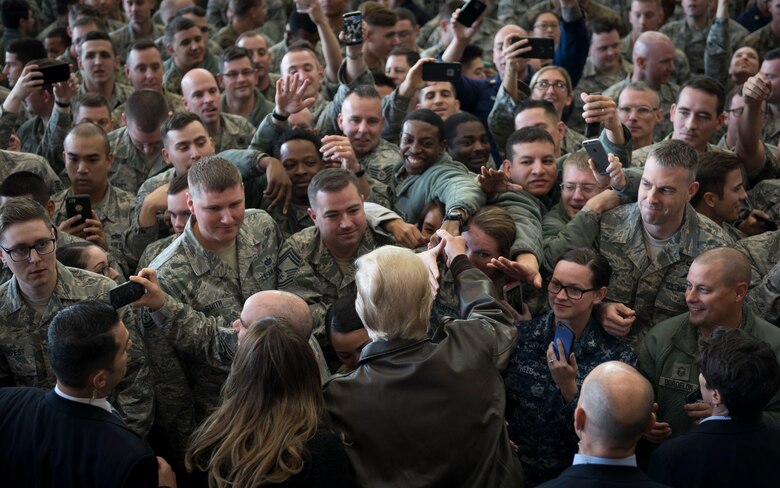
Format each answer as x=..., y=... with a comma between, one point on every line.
x=650, y=41
x=194, y=78
x=614, y=409
x=281, y=304
x=734, y=266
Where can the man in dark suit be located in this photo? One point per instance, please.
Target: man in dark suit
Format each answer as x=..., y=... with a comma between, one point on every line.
x=613, y=411
x=71, y=436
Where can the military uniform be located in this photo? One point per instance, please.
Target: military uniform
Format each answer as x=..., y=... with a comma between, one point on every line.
x=667, y=95
x=270, y=91
x=717, y=36
x=204, y=295
x=124, y=36
x=262, y=108
x=130, y=168
x=236, y=133
x=14, y=162
x=595, y=10
x=769, y=171
x=639, y=157
x=45, y=141
x=173, y=75
x=558, y=230
x=278, y=50
x=539, y=422
x=762, y=40
x=211, y=47
x=668, y=358
x=593, y=81
x=571, y=142
x=175, y=105
x=482, y=38
x=763, y=250
x=655, y=289
x=119, y=96
x=682, y=69
x=23, y=343
x=153, y=250
x=771, y=131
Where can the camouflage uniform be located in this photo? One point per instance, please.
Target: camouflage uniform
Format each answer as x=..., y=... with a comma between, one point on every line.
x=595, y=10
x=23, y=343
x=718, y=35
x=270, y=92
x=204, y=295
x=36, y=139
x=770, y=170
x=771, y=130
x=278, y=50
x=761, y=40
x=211, y=47
x=173, y=75
x=483, y=37
x=14, y=162
x=639, y=157
x=124, y=36
x=682, y=69
x=572, y=141
x=593, y=81
x=654, y=289
x=539, y=422
x=153, y=250
x=119, y=96
x=763, y=250
x=130, y=168
x=236, y=133
x=262, y=108
x=175, y=105
x=667, y=95
x=668, y=358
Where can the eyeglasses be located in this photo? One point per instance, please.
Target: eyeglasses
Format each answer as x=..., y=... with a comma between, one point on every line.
x=641, y=110
x=586, y=188
x=572, y=292
x=558, y=85
x=21, y=253
x=547, y=26
x=243, y=72
x=104, y=270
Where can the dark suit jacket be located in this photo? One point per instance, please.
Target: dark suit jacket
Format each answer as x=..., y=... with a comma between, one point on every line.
x=602, y=476
x=720, y=453
x=47, y=441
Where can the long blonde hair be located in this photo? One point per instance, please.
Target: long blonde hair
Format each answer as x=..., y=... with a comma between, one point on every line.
x=271, y=406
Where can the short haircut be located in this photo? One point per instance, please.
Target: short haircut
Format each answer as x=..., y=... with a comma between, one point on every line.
x=231, y=53
x=577, y=159
x=711, y=172
x=498, y=224
x=470, y=53
x=394, y=296
x=60, y=32
x=97, y=36
x=602, y=25
x=429, y=117
x=178, y=121
x=381, y=79
x=178, y=24
x=562, y=71
x=25, y=183
x=298, y=21
x=342, y=316
x=242, y=7
x=178, y=184
x=90, y=20
x=13, y=12
x=448, y=8
x=733, y=92
x=90, y=99
x=548, y=107
x=411, y=56
x=772, y=54
x=195, y=10
x=707, y=85
x=81, y=341
x=212, y=174
x=456, y=120
x=330, y=180
x=252, y=33
x=405, y=14
x=643, y=87
x=142, y=45
x=377, y=15
x=733, y=265
x=743, y=369
x=672, y=153
x=26, y=49
x=294, y=134
x=303, y=46
x=87, y=130
x=364, y=91
x=20, y=210
x=599, y=266
x=79, y=11
x=146, y=110
x=526, y=135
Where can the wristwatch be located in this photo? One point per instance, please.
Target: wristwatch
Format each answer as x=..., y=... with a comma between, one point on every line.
x=454, y=215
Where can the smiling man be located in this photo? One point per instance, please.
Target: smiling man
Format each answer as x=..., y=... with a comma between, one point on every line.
x=237, y=77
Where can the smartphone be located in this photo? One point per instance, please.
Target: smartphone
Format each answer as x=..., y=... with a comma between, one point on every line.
x=694, y=396
x=441, y=72
x=593, y=130
x=541, y=47
x=597, y=153
x=55, y=73
x=765, y=222
x=471, y=12
x=125, y=294
x=353, y=26
x=566, y=335
x=78, y=205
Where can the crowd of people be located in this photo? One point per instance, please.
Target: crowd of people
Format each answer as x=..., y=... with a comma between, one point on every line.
x=250, y=243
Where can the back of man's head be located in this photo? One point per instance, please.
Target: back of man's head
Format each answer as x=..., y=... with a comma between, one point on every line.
x=81, y=342
x=617, y=405
x=282, y=304
x=212, y=174
x=26, y=49
x=675, y=154
x=146, y=110
x=25, y=184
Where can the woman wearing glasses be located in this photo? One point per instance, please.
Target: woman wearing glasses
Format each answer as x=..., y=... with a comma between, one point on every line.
x=542, y=388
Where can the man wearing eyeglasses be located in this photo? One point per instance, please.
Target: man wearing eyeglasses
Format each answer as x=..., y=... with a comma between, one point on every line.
x=639, y=110
x=39, y=288
x=237, y=78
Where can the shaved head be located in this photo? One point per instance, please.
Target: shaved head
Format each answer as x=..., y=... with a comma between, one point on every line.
x=275, y=303
x=733, y=265
x=649, y=42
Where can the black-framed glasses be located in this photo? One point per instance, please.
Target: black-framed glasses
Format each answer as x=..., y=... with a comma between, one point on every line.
x=572, y=292
x=42, y=247
x=557, y=85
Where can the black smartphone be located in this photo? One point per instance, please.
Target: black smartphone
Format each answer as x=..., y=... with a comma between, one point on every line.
x=353, y=26
x=471, y=12
x=78, y=205
x=593, y=130
x=566, y=335
x=694, y=396
x=597, y=153
x=541, y=47
x=441, y=72
x=55, y=73
x=125, y=294
x=765, y=222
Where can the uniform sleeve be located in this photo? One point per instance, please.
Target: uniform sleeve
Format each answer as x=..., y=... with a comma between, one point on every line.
x=394, y=110
x=266, y=135
x=501, y=120
x=52, y=143
x=717, y=52
x=457, y=190
x=579, y=232
x=528, y=226
x=295, y=275
x=135, y=394
x=764, y=297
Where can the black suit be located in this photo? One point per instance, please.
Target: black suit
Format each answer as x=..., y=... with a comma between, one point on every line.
x=720, y=453
x=602, y=476
x=47, y=441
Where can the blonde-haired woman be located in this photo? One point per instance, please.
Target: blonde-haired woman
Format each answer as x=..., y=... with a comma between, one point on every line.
x=268, y=429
